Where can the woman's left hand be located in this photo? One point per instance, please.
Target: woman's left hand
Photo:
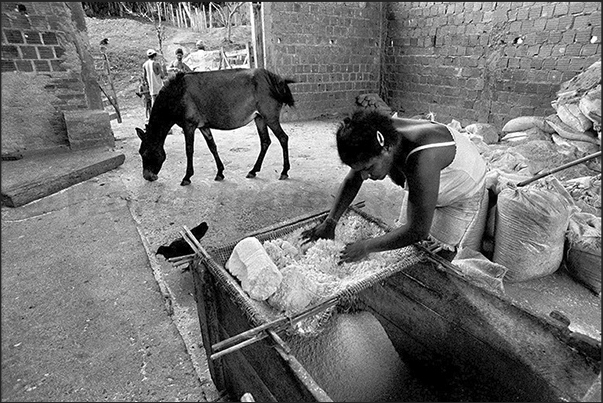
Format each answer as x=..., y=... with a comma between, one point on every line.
x=353, y=252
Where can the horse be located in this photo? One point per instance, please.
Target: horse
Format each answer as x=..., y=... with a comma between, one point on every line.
x=219, y=99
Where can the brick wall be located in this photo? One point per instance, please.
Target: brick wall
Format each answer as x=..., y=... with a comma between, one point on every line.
x=485, y=61
x=331, y=49
x=46, y=69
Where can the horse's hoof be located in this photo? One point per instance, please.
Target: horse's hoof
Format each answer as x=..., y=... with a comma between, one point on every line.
x=250, y=175
x=284, y=176
x=185, y=182
x=219, y=178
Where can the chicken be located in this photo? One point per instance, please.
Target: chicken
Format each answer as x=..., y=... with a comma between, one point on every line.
x=180, y=247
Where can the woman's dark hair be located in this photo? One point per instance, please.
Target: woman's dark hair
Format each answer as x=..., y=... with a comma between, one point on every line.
x=357, y=139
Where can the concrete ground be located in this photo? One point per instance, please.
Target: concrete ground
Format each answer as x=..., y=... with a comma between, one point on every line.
x=90, y=313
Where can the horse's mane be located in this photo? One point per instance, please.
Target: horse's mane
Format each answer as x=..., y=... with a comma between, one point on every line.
x=172, y=90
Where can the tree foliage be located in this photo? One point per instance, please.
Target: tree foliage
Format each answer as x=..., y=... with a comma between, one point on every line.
x=177, y=13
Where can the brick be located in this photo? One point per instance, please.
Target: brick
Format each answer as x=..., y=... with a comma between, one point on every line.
x=589, y=49
x=10, y=52
x=59, y=51
x=32, y=37
x=560, y=9
x=8, y=65
x=573, y=49
x=583, y=36
x=547, y=10
x=29, y=52
x=13, y=36
x=50, y=38
x=525, y=63
x=568, y=36
x=577, y=64
x=563, y=64
x=576, y=7
x=24, y=65
x=595, y=18
x=522, y=14
x=581, y=21
x=540, y=24
x=554, y=37
x=591, y=6
x=41, y=65
x=565, y=22
x=534, y=12
x=46, y=52
x=549, y=63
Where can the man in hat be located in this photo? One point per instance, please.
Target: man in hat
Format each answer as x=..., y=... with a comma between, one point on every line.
x=153, y=74
x=197, y=60
x=178, y=65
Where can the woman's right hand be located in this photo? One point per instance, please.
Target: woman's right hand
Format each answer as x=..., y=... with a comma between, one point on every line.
x=324, y=230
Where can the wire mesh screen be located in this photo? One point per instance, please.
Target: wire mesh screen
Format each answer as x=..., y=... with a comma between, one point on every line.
x=260, y=312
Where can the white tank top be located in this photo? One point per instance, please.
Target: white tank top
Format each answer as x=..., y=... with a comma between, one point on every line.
x=154, y=80
x=465, y=175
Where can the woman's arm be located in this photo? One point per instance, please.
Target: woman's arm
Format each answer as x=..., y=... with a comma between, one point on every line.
x=423, y=183
x=345, y=195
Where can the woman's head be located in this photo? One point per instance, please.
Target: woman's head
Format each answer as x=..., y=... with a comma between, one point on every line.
x=364, y=136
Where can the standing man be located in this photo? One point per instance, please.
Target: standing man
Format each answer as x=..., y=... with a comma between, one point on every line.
x=197, y=60
x=153, y=74
x=178, y=65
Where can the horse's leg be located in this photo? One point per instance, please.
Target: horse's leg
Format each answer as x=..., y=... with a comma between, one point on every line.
x=282, y=137
x=189, y=140
x=260, y=123
x=211, y=144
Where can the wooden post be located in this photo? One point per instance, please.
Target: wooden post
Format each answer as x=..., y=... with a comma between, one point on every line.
x=258, y=34
x=208, y=319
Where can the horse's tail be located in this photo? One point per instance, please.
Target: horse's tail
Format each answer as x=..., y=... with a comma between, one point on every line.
x=279, y=87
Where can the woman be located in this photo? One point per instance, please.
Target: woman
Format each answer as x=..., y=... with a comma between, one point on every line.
x=440, y=168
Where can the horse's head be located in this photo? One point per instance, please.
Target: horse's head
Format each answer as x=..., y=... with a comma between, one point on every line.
x=153, y=156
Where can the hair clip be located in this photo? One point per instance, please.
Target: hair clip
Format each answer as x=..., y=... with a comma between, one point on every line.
x=380, y=138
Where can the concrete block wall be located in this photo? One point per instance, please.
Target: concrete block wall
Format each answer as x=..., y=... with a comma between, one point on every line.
x=46, y=70
x=485, y=61
x=332, y=49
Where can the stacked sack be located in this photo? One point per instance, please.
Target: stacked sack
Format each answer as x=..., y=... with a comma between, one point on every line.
x=577, y=117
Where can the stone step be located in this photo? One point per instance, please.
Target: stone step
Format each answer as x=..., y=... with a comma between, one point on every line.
x=33, y=177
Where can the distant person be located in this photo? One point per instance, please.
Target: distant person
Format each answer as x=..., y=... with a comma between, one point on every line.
x=178, y=65
x=153, y=74
x=103, y=45
x=197, y=60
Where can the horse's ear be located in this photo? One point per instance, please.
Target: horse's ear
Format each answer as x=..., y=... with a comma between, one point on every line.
x=141, y=134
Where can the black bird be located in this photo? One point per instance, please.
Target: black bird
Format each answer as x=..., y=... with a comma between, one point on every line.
x=104, y=42
x=180, y=247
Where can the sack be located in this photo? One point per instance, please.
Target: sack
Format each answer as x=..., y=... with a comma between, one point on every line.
x=583, y=251
x=530, y=232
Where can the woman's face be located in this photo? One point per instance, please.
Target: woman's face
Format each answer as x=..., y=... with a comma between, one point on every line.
x=377, y=167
